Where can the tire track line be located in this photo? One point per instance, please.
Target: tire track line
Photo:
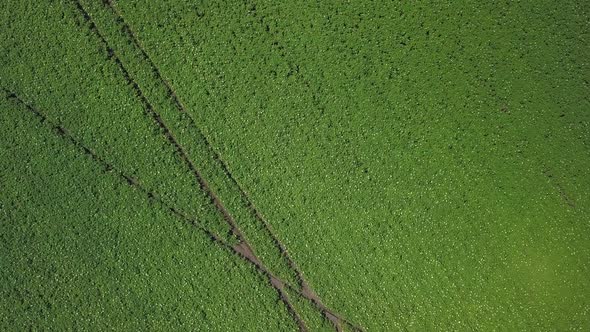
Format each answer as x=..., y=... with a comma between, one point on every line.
x=151, y=195
x=203, y=184
x=150, y=111
x=308, y=292
x=241, y=249
x=559, y=187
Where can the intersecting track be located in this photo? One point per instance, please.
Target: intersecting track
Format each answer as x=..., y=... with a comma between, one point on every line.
x=246, y=249
x=243, y=247
x=180, y=106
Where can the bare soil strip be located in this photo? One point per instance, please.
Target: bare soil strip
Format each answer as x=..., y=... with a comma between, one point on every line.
x=308, y=292
x=242, y=249
x=559, y=187
x=149, y=109
x=566, y=198
x=181, y=152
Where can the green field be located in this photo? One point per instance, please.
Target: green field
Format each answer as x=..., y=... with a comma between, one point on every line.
x=294, y=165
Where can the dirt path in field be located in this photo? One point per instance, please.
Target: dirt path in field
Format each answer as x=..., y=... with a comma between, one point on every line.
x=180, y=106
x=559, y=187
x=149, y=109
x=242, y=249
x=308, y=292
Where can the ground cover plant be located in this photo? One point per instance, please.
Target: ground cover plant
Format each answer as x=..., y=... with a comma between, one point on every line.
x=266, y=165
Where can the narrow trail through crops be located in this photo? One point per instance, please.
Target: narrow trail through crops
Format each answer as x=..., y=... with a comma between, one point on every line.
x=240, y=249
x=309, y=293
x=204, y=185
x=559, y=187
x=245, y=247
x=180, y=106
x=181, y=152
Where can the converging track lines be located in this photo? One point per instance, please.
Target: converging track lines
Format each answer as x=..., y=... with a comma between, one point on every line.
x=183, y=155
x=245, y=248
x=310, y=294
x=242, y=249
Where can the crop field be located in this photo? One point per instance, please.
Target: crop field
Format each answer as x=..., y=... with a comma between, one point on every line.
x=263, y=165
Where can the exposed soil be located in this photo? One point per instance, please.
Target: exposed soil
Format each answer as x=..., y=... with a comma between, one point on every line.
x=306, y=289
x=559, y=187
x=310, y=294
x=242, y=249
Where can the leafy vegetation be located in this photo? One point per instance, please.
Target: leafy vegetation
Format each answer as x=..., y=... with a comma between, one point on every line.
x=410, y=166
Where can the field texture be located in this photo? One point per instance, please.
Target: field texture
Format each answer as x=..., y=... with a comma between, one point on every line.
x=294, y=165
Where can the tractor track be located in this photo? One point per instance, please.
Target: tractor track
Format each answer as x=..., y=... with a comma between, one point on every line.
x=150, y=111
x=203, y=184
x=241, y=249
x=566, y=198
x=310, y=294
